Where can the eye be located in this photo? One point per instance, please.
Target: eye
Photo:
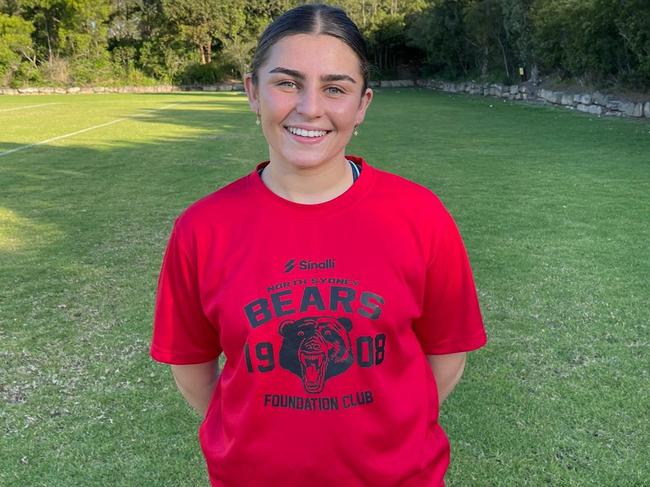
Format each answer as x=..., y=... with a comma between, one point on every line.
x=301, y=333
x=287, y=84
x=334, y=90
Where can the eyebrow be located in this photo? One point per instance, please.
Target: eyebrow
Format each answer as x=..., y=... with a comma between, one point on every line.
x=325, y=77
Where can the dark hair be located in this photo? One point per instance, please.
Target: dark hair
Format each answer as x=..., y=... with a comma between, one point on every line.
x=313, y=19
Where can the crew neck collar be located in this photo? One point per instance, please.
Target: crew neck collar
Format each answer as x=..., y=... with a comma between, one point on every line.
x=352, y=195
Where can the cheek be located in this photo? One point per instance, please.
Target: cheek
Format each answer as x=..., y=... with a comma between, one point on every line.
x=276, y=105
x=346, y=111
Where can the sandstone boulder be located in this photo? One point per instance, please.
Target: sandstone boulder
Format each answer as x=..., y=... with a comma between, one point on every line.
x=600, y=99
x=632, y=109
x=566, y=100
x=614, y=105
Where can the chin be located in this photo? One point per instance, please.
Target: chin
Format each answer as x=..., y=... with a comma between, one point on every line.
x=307, y=160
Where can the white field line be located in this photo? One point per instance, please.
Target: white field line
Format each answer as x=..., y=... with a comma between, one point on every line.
x=65, y=136
x=28, y=106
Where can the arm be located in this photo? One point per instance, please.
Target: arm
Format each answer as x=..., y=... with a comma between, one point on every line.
x=447, y=369
x=197, y=382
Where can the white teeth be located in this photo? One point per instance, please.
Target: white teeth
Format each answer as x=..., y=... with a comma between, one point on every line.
x=306, y=133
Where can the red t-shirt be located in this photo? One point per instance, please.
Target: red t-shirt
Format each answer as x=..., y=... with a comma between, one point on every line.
x=325, y=313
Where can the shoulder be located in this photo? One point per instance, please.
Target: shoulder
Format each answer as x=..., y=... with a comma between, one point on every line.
x=220, y=206
x=407, y=196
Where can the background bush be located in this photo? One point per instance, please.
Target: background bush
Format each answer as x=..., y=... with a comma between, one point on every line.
x=592, y=42
x=204, y=74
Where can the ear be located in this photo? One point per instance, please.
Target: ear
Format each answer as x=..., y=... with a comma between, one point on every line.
x=347, y=324
x=284, y=325
x=363, y=106
x=251, y=93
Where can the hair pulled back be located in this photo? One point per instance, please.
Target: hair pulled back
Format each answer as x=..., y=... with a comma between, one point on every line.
x=312, y=19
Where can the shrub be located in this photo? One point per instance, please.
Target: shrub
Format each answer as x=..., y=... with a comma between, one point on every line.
x=165, y=58
x=15, y=47
x=56, y=71
x=92, y=70
x=203, y=74
x=27, y=74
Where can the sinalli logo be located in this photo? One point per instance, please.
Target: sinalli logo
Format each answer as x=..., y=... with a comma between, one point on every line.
x=308, y=265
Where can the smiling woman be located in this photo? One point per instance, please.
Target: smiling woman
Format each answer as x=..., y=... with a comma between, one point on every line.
x=341, y=295
x=309, y=105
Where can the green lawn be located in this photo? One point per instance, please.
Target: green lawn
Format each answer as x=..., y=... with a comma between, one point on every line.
x=554, y=207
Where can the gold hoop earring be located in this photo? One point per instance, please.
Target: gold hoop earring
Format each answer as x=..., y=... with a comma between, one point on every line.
x=257, y=122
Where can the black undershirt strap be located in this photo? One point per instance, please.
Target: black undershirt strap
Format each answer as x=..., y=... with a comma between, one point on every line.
x=356, y=170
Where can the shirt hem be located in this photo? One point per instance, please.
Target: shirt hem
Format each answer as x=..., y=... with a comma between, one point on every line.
x=166, y=357
x=455, y=346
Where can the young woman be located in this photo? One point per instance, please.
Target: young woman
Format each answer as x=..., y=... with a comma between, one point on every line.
x=340, y=294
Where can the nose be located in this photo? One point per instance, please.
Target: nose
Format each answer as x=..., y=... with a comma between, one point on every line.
x=310, y=103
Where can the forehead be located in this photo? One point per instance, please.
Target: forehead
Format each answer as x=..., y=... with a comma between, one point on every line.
x=313, y=54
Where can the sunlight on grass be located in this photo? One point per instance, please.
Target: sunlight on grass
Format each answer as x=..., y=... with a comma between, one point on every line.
x=17, y=233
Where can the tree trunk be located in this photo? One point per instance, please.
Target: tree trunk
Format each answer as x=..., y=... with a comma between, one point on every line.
x=484, y=62
x=49, y=44
x=386, y=64
x=534, y=74
x=505, y=58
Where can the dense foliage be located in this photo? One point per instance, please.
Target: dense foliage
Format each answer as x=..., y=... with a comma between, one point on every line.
x=62, y=42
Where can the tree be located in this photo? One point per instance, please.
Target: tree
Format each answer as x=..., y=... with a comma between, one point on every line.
x=202, y=22
x=579, y=38
x=633, y=26
x=440, y=32
x=67, y=27
x=15, y=44
x=518, y=30
x=383, y=24
x=484, y=30
x=237, y=46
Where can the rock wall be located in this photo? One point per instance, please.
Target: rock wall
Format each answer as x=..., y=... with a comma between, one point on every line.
x=594, y=103
x=120, y=89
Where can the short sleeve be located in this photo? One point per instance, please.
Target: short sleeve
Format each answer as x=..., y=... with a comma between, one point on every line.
x=451, y=319
x=182, y=334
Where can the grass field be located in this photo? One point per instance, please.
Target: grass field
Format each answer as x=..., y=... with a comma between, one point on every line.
x=554, y=207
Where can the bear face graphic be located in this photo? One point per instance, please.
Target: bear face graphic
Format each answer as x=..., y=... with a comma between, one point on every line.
x=315, y=349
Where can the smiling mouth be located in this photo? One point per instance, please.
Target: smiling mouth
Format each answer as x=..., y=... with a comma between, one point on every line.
x=310, y=134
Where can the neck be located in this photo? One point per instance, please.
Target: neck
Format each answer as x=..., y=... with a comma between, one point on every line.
x=308, y=185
